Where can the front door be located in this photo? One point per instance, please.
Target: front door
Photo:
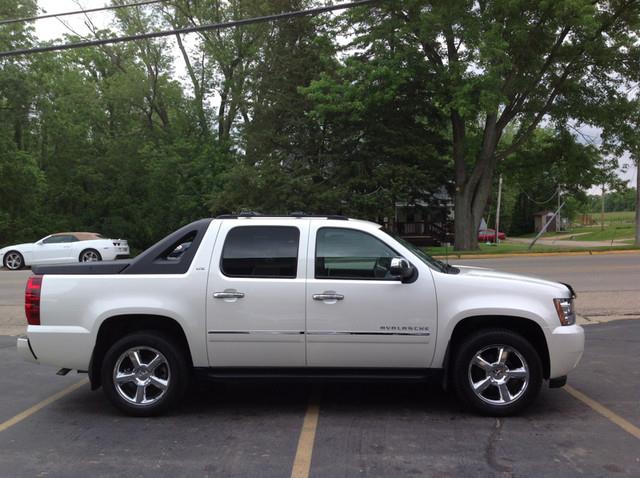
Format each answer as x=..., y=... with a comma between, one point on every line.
x=255, y=299
x=54, y=250
x=358, y=315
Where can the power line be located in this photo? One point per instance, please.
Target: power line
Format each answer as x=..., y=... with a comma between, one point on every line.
x=197, y=28
x=540, y=203
x=77, y=12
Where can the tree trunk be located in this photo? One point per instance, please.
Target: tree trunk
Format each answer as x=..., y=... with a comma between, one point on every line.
x=465, y=233
x=473, y=190
x=197, y=87
x=469, y=207
x=464, y=237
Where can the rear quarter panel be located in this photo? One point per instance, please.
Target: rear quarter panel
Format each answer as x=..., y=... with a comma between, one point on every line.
x=74, y=306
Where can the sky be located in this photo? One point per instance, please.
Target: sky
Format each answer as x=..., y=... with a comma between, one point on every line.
x=51, y=29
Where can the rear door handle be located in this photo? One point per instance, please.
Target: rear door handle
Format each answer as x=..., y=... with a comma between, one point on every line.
x=328, y=296
x=227, y=294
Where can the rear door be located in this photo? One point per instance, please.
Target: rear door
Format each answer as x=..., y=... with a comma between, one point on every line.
x=358, y=315
x=256, y=294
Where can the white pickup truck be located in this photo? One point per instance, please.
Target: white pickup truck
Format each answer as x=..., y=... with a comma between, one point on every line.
x=298, y=297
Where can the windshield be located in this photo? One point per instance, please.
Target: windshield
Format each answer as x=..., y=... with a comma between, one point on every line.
x=423, y=256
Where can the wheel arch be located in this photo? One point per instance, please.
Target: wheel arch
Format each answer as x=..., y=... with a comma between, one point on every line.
x=528, y=328
x=85, y=249
x=115, y=327
x=17, y=251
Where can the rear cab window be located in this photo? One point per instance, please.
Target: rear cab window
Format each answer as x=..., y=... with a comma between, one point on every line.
x=261, y=251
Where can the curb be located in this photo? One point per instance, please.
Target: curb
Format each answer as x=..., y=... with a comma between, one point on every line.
x=603, y=319
x=536, y=254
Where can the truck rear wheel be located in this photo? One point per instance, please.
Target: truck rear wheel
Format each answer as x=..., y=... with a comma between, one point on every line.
x=497, y=372
x=144, y=373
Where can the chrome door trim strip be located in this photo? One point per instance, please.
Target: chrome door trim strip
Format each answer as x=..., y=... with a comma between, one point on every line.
x=318, y=332
x=257, y=332
x=344, y=332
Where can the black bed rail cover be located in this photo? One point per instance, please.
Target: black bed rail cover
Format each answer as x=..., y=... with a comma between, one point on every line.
x=83, y=268
x=155, y=260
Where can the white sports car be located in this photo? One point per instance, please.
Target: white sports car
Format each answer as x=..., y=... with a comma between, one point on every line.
x=64, y=247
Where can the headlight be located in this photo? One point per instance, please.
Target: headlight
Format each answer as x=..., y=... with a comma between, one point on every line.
x=565, y=310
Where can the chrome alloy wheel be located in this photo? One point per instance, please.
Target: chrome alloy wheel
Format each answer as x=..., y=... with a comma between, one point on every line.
x=498, y=374
x=141, y=376
x=89, y=256
x=13, y=261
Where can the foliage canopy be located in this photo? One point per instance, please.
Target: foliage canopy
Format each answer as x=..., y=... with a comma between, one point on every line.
x=353, y=114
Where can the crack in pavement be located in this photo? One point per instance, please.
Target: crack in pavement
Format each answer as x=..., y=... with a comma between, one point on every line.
x=490, y=451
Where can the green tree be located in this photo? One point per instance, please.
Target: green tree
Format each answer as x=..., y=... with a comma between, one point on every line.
x=223, y=60
x=553, y=162
x=507, y=64
x=380, y=146
x=19, y=205
x=279, y=142
x=622, y=137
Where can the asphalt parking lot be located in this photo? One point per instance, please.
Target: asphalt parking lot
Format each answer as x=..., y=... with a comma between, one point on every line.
x=390, y=430
x=55, y=426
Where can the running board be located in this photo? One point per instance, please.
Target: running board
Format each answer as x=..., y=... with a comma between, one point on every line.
x=315, y=374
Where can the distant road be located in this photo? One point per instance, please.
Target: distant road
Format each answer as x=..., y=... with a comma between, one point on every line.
x=607, y=284
x=12, y=320
x=564, y=241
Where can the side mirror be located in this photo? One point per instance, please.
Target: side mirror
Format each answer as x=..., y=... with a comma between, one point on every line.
x=400, y=268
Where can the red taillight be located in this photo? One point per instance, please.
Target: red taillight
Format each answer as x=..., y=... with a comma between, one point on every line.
x=32, y=300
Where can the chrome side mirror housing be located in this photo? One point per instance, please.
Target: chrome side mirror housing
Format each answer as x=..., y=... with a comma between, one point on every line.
x=400, y=268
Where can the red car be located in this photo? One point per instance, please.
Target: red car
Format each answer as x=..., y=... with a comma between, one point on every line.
x=489, y=235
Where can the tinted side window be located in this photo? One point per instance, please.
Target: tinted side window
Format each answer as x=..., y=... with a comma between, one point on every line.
x=54, y=240
x=351, y=254
x=261, y=251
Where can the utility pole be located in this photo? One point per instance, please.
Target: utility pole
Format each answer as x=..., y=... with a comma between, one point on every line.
x=637, y=201
x=559, y=218
x=498, y=210
x=546, y=225
x=602, y=210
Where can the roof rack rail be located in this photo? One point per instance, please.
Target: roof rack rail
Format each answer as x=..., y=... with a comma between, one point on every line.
x=297, y=214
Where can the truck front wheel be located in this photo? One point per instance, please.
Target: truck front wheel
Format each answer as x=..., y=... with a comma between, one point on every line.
x=497, y=372
x=144, y=373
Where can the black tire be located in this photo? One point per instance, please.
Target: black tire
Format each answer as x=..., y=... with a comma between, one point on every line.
x=13, y=254
x=521, y=358
x=89, y=252
x=176, y=373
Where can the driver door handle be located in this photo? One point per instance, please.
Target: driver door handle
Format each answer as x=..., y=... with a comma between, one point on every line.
x=228, y=295
x=328, y=296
